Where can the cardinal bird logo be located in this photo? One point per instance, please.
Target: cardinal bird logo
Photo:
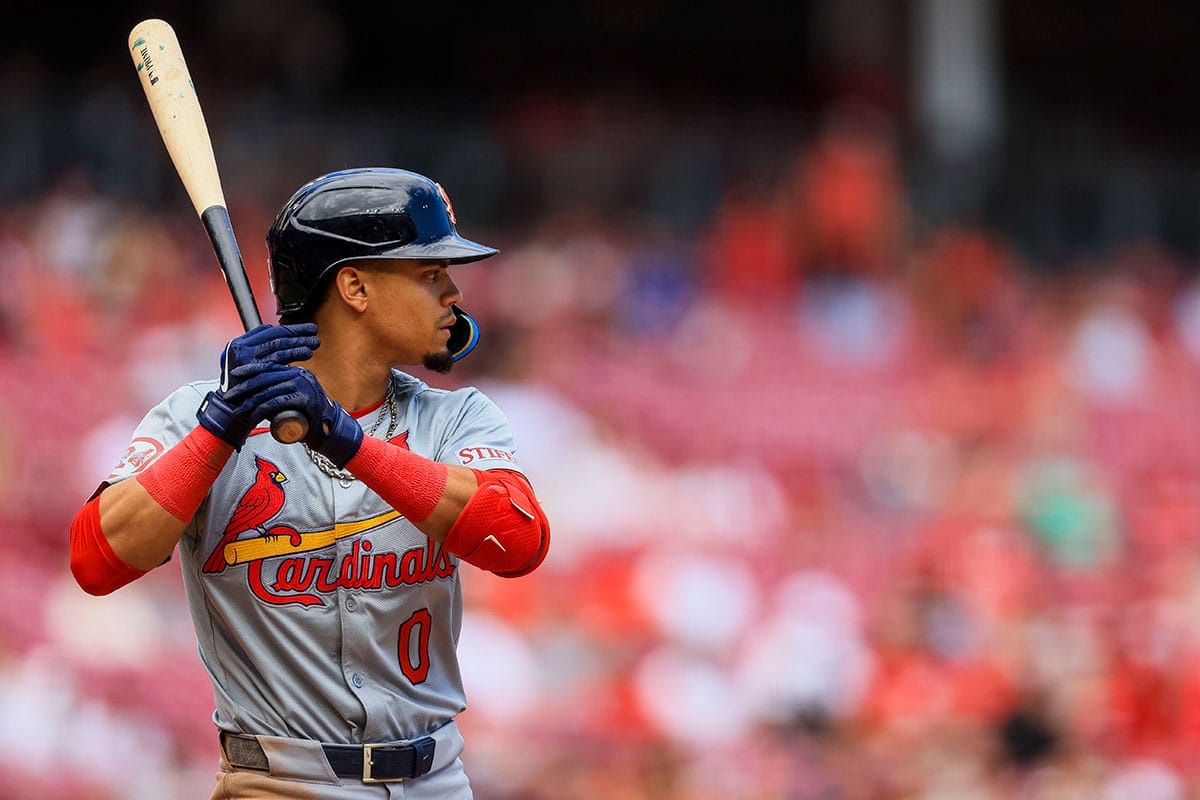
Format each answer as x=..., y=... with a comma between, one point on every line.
x=258, y=505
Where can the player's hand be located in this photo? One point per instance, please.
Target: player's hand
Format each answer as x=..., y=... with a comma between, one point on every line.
x=332, y=432
x=266, y=344
x=254, y=372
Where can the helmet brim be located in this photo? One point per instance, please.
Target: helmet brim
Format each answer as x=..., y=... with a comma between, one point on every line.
x=451, y=247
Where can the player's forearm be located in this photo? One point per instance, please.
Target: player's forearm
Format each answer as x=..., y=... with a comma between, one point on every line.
x=460, y=486
x=140, y=531
x=490, y=519
x=143, y=518
x=429, y=494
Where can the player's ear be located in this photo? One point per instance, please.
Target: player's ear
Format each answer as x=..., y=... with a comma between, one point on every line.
x=350, y=285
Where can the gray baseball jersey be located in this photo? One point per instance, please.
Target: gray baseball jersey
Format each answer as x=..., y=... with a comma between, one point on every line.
x=320, y=612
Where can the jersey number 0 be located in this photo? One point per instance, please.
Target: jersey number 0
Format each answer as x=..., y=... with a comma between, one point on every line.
x=412, y=648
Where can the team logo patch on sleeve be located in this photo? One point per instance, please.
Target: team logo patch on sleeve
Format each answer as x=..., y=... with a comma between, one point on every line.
x=142, y=451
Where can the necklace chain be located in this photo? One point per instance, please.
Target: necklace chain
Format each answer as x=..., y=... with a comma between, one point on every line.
x=388, y=408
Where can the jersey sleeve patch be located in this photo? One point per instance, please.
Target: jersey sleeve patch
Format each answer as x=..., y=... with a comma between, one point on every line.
x=141, y=453
x=473, y=456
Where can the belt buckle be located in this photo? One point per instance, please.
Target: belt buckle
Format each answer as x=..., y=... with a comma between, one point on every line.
x=368, y=763
x=422, y=750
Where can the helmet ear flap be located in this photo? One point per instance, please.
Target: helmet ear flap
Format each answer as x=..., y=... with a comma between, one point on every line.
x=288, y=284
x=464, y=334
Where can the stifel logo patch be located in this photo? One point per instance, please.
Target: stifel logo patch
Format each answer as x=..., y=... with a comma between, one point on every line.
x=468, y=455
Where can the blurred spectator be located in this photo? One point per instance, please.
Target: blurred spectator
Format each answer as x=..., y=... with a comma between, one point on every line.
x=848, y=196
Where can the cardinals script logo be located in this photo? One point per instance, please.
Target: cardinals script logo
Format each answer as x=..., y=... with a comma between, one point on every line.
x=258, y=505
x=282, y=565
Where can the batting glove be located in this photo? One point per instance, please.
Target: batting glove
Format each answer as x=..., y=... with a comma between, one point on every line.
x=332, y=432
x=254, y=373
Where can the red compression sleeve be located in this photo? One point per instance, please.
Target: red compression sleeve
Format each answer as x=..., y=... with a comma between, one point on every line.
x=97, y=569
x=409, y=483
x=181, y=477
x=502, y=529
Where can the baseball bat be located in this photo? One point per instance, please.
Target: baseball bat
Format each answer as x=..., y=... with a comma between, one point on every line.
x=176, y=109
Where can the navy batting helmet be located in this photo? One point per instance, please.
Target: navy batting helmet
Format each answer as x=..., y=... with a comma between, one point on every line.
x=361, y=214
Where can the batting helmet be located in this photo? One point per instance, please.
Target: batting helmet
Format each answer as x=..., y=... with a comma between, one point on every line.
x=360, y=214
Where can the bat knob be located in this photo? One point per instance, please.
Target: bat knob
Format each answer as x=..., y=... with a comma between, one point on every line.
x=289, y=427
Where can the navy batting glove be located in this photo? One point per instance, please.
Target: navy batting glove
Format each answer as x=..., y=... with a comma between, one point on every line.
x=332, y=432
x=232, y=415
x=254, y=371
x=267, y=344
x=222, y=420
x=337, y=436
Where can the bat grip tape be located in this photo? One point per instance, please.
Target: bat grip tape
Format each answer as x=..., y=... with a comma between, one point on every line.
x=220, y=232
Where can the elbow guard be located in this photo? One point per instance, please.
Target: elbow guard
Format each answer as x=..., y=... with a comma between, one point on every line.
x=502, y=529
x=97, y=569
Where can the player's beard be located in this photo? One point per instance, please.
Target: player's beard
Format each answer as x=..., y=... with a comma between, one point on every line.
x=440, y=361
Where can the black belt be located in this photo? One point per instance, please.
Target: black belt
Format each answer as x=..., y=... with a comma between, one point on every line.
x=370, y=763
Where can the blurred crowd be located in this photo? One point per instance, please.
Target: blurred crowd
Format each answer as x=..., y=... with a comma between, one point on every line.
x=846, y=505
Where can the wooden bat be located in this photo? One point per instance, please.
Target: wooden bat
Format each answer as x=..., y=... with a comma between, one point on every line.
x=176, y=109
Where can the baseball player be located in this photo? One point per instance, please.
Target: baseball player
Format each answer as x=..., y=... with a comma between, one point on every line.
x=324, y=576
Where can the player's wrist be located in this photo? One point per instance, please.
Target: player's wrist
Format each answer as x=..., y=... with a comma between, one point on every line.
x=339, y=436
x=409, y=483
x=180, y=478
x=222, y=420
